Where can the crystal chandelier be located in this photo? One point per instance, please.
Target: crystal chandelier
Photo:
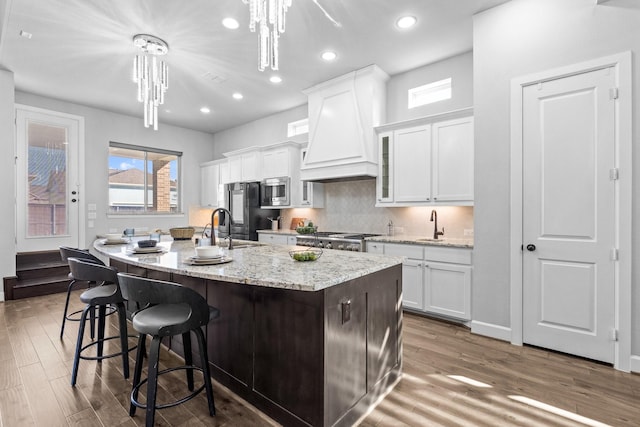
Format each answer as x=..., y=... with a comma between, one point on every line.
x=269, y=16
x=151, y=75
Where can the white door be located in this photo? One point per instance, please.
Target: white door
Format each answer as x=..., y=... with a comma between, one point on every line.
x=47, y=193
x=569, y=215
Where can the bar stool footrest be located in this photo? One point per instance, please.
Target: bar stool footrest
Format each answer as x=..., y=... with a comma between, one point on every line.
x=194, y=393
x=105, y=356
x=73, y=317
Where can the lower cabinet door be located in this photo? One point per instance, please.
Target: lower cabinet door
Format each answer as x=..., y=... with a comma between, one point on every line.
x=448, y=289
x=412, y=284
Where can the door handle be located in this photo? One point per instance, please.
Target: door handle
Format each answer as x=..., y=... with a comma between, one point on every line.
x=531, y=247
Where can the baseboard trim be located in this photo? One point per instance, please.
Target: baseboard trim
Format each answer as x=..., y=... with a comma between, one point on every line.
x=634, y=363
x=490, y=330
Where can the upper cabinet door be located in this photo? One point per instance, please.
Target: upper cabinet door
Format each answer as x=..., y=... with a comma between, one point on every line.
x=210, y=180
x=411, y=158
x=453, y=160
x=275, y=163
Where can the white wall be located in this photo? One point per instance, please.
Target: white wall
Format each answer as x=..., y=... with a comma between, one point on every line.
x=7, y=177
x=519, y=38
x=101, y=127
x=459, y=68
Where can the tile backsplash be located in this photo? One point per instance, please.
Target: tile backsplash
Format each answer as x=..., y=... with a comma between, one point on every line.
x=350, y=206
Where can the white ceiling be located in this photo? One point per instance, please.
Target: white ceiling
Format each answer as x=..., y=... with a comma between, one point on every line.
x=81, y=50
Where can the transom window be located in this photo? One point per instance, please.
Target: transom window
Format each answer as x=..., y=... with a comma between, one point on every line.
x=143, y=180
x=430, y=93
x=298, y=127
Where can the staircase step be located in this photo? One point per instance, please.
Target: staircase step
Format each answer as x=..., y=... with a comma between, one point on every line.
x=42, y=272
x=24, y=259
x=36, y=287
x=37, y=273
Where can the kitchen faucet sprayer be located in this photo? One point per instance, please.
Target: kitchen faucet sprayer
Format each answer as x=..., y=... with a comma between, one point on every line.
x=213, y=234
x=434, y=219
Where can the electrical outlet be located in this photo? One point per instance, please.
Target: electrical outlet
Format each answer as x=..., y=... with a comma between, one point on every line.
x=90, y=224
x=468, y=232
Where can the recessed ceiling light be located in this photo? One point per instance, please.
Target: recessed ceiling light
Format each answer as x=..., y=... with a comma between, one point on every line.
x=230, y=23
x=406, y=22
x=329, y=55
x=275, y=79
x=237, y=95
x=205, y=110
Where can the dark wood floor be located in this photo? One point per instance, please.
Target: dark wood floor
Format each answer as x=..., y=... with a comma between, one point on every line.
x=35, y=369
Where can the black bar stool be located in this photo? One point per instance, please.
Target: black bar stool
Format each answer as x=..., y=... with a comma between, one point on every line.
x=167, y=309
x=66, y=253
x=106, y=294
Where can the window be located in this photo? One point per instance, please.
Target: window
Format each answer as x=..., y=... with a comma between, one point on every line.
x=143, y=180
x=298, y=128
x=430, y=93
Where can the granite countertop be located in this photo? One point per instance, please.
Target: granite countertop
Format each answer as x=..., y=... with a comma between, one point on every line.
x=400, y=238
x=282, y=231
x=259, y=265
x=419, y=240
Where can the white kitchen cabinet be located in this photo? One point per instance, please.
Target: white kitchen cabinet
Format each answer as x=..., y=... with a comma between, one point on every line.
x=435, y=279
x=375, y=247
x=412, y=273
x=225, y=172
x=276, y=163
x=244, y=167
x=452, y=165
x=426, y=161
x=447, y=289
x=276, y=239
x=384, y=188
x=411, y=157
x=209, y=184
x=311, y=194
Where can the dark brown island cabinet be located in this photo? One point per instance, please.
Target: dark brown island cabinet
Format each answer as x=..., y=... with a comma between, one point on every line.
x=305, y=358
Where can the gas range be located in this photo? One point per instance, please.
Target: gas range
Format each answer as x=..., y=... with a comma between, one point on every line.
x=334, y=240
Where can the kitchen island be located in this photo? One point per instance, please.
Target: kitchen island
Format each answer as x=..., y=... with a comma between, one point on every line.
x=308, y=343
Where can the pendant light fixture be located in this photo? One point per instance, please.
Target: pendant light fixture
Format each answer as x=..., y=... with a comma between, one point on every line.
x=151, y=75
x=268, y=18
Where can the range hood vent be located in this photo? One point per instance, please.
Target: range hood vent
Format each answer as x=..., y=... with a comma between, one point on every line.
x=342, y=115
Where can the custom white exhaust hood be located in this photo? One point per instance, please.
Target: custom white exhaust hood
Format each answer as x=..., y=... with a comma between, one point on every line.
x=342, y=115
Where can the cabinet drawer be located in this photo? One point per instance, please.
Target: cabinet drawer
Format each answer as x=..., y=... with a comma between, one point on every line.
x=450, y=255
x=375, y=247
x=409, y=251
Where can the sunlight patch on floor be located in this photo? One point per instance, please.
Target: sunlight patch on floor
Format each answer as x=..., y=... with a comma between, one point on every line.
x=469, y=381
x=557, y=411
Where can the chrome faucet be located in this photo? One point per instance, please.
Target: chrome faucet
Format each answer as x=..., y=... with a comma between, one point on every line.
x=434, y=219
x=213, y=234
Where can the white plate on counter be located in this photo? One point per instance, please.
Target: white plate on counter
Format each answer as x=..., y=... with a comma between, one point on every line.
x=153, y=250
x=115, y=242
x=220, y=259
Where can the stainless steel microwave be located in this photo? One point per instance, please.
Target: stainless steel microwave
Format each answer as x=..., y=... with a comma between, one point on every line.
x=275, y=192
